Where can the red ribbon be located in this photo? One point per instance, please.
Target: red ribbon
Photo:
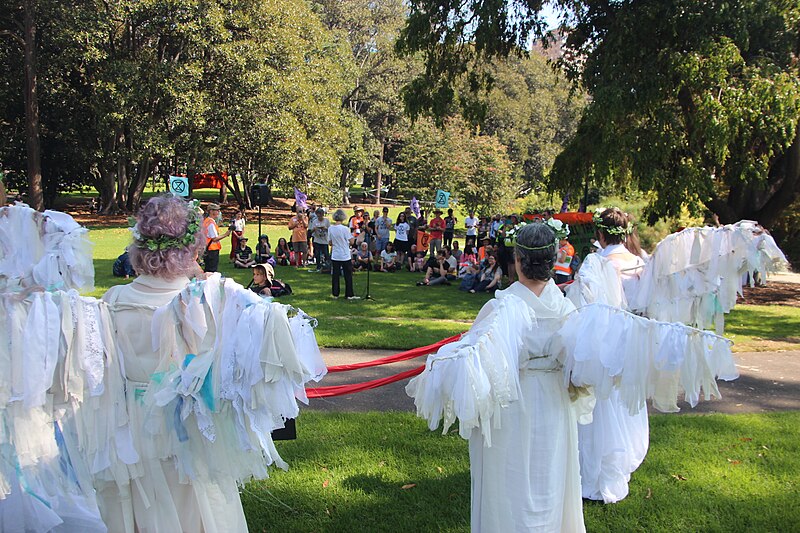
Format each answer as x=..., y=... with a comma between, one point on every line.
x=402, y=356
x=340, y=390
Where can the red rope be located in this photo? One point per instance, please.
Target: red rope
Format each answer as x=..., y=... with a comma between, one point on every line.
x=339, y=390
x=402, y=356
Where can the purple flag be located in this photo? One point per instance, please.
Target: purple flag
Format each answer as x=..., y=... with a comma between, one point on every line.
x=300, y=198
x=565, y=205
x=415, y=205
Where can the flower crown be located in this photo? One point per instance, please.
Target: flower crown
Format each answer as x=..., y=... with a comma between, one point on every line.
x=163, y=242
x=611, y=230
x=560, y=229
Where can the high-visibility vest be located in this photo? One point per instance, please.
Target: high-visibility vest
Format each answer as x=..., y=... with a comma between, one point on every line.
x=563, y=266
x=209, y=244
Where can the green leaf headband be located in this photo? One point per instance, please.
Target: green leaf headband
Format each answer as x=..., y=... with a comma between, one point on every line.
x=560, y=229
x=163, y=242
x=611, y=230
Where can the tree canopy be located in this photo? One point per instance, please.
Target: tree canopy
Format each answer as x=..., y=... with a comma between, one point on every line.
x=695, y=102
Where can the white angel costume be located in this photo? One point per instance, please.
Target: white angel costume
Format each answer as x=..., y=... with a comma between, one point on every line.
x=162, y=397
x=615, y=442
x=508, y=393
x=517, y=381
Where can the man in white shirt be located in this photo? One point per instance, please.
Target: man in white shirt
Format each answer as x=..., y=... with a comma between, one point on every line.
x=319, y=235
x=471, y=223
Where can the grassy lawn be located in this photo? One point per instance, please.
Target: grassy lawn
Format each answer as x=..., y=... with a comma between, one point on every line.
x=758, y=328
x=387, y=472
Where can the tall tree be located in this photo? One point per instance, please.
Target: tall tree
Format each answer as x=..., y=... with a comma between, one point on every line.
x=27, y=41
x=697, y=102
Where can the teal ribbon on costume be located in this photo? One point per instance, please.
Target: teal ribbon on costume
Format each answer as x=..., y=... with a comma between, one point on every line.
x=206, y=393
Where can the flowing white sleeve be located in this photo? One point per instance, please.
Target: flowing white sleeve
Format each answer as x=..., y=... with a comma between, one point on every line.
x=604, y=347
x=238, y=371
x=473, y=378
x=695, y=276
x=53, y=348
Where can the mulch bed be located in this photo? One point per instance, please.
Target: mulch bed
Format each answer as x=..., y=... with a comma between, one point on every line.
x=774, y=293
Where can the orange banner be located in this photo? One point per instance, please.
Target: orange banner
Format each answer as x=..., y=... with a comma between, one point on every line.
x=422, y=240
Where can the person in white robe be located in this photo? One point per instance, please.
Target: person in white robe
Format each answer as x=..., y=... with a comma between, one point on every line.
x=615, y=443
x=524, y=456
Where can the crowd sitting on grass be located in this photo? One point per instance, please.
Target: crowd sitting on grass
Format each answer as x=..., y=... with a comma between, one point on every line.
x=482, y=265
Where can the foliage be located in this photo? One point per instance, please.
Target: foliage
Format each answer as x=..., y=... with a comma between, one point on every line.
x=706, y=114
x=533, y=112
x=475, y=168
x=697, y=102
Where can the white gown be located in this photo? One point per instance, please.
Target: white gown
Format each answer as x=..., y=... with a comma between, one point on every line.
x=615, y=443
x=523, y=437
x=157, y=499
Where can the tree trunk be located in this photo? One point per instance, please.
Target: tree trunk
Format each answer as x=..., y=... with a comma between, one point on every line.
x=764, y=203
x=379, y=175
x=3, y=196
x=136, y=187
x=36, y=197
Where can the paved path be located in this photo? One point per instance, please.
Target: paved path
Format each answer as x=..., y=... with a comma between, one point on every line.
x=769, y=381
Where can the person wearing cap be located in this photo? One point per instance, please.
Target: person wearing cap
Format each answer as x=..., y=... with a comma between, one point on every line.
x=437, y=227
x=319, y=234
x=383, y=225
x=356, y=221
x=299, y=226
x=243, y=255
x=213, y=238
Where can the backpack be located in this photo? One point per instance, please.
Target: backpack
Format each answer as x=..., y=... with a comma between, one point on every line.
x=280, y=288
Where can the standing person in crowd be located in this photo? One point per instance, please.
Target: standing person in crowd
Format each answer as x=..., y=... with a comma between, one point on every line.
x=388, y=258
x=490, y=277
x=282, y=252
x=299, y=226
x=244, y=255
x=213, y=238
x=401, y=236
x=319, y=233
x=237, y=232
x=563, y=264
x=437, y=226
x=383, y=225
x=356, y=221
x=340, y=239
x=368, y=231
x=413, y=223
x=471, y=223
x=449, y=228
x=483, y=229
x=494, y=228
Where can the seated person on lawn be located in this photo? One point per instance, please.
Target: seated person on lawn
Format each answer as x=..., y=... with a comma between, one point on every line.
x=243, y=255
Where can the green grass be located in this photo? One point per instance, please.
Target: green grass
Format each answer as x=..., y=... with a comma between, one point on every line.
x=405, y=316
x=348, y=473
x=757, y=328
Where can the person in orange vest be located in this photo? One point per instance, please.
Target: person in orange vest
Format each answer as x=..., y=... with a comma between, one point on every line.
x=213, y=238
x=563, y=265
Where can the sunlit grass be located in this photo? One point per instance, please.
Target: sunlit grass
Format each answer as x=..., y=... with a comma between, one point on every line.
x=348, y=473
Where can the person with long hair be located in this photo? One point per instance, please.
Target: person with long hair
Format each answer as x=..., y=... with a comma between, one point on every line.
x=615, y=443
x=401, y=237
